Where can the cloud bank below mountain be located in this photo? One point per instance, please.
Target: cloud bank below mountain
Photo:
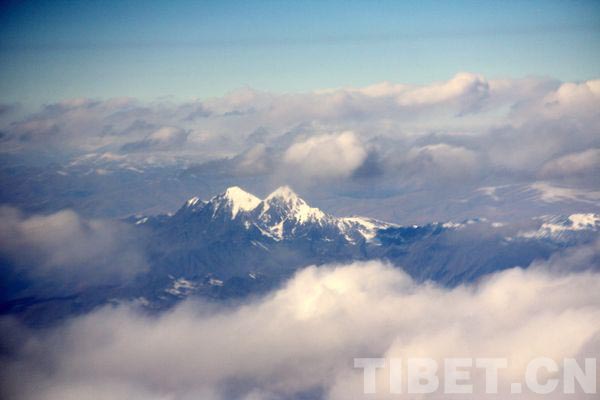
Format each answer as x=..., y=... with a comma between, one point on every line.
x=64, y=249
x=303, y=337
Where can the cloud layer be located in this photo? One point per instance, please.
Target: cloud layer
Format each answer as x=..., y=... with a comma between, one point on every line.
x=326, y=156
x=521, y=125
x=303, y=337
x=68, y=250
x=388, y=139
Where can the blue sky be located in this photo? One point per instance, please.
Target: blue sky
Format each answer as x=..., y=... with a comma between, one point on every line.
x=51, y=50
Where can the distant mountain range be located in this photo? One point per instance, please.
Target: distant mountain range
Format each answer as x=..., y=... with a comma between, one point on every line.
x=235, y=245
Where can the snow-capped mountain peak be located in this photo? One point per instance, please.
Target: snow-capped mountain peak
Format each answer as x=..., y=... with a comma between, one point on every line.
x=284, y=203
x=235, y=200
x=281, y=215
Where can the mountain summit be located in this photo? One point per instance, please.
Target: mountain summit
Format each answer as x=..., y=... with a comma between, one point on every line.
x=234, y=200
x=282, y=215
x=284, y=204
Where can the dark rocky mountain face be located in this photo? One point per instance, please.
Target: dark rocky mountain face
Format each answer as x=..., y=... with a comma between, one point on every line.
x=236, y=245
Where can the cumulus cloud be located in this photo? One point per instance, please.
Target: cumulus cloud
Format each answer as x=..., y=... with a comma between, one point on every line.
x=470, y=90
x=442, y=160
x=224, y=123
x=255, y=160
x=579, y=258
x=572, y=99
x=584, y=163
x=303, y=337
x=65, y=248
x=163, y=138
x=403, y=138
x=328, y=156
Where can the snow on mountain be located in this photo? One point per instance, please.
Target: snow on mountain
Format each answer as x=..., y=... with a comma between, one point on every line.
x=231, y=202
x=366, y=227
x=557, y=227
x=181, y=287
x=142, y=220
x=193, y=201
x=234, y=200
x=288, y=204
x=283, y=214
x=193, y=205
x=585, y=221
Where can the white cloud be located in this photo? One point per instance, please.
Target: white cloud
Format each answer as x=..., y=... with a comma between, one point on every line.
x=306, y=335
x=91, y=125
x=326, y=156
x=463, y=85
x=503, y=126
x=582, y=163
x=550, y=194
x=254, y=160
x=165, y=135
x=573, y=98
x=442, y=161
x=66, y=248
x=566, y=100
x=164, y=138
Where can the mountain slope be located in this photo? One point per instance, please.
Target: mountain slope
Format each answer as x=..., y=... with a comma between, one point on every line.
x=235, y=244
x=281, y=216
x=235, y=234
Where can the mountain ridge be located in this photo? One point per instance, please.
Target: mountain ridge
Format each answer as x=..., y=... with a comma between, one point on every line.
x=235, y=245
x=280, y=215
